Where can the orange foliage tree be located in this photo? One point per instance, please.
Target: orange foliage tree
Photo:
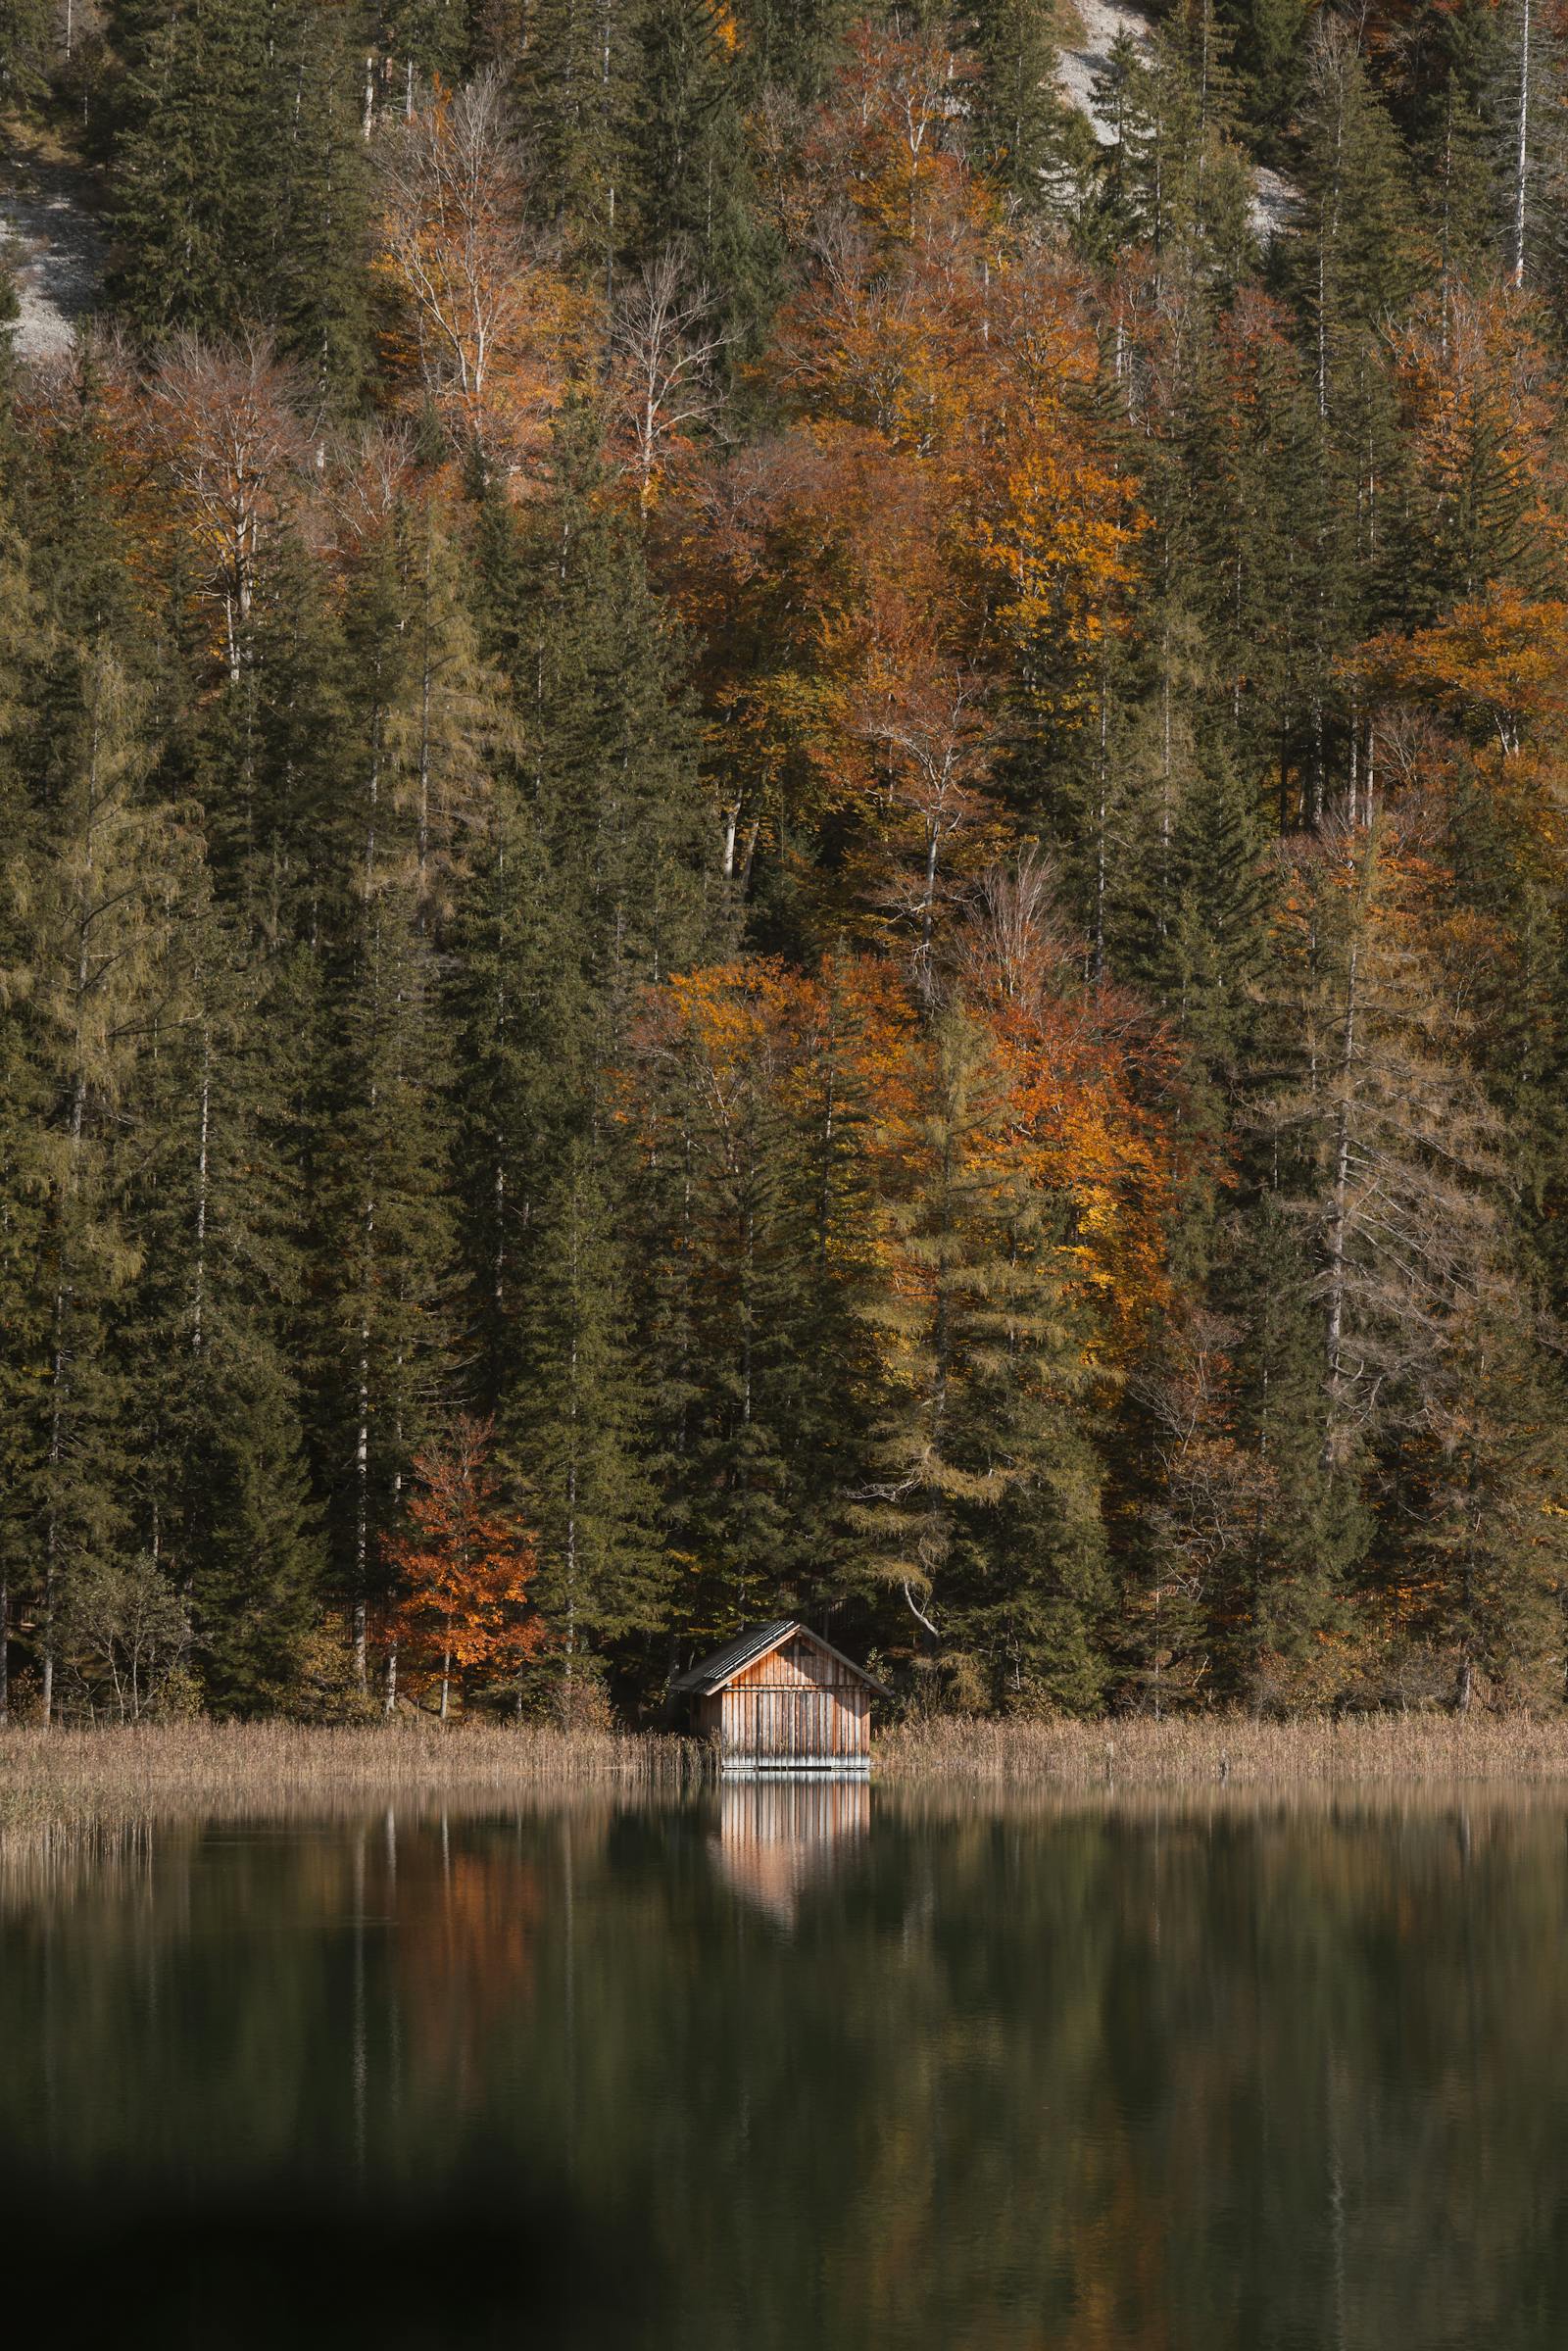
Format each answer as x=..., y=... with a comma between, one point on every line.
x=231, y=442
x=945, y=498
x=490, y=333
x=463, y=1572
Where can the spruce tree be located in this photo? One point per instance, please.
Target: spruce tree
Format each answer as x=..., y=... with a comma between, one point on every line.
x=574, y=70
x=220, y=1486
x=1016, y=117
x=105, y=907
x=694, y=177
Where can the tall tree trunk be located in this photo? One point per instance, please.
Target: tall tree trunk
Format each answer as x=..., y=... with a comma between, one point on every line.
x=1339, y=1199
x=1521, y=169
x=359, y=1620
x=201, y=1190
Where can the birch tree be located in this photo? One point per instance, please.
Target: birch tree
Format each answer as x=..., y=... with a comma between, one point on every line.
x=492, y=332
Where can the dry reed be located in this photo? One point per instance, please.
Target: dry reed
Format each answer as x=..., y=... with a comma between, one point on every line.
x=70, y=1778
x=233, y=1769
x=1232, y=1749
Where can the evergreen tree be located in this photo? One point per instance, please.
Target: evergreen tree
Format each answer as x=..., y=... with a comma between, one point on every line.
x=220, y=1488
x=193, y=163
x=239, y=179
x=575, y=68
x=792, y=45
x=102, y=948
x=975, y=1445
x=694, y=184
x=1018, y=126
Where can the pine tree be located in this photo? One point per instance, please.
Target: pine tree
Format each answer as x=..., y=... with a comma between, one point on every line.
x=792, y=45
x=694, y=175
x=318, y=291
x=221, y=1489
x=24, y=30
x=105, y=901
x=193, y=165
x=1270, y=37
x=24, y=1102
x=239, y=179
x=574, y=68
x=975, y=1439
x=1016, y=117
x=578, y=1419
x=385, y=1368
x=386, y=1371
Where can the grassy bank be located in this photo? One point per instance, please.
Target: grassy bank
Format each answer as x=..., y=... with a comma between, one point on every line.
x=235, y=1768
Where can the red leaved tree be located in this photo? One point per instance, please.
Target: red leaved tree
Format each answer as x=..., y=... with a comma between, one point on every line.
x=463, y=1572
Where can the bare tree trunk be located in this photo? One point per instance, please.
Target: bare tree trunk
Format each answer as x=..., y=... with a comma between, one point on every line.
x=201, y=1190
x=1336, y=1214
x=362, y=1508
x=1521, y=148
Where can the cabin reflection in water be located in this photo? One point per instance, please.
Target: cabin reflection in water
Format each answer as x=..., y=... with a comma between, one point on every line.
x=778, y=1837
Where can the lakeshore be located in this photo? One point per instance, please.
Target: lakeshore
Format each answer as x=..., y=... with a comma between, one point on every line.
x=82, y=1777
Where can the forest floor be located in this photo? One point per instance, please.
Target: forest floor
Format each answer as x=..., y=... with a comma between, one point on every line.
x=1086, y=54
x=50, y=237
x=75, y=1779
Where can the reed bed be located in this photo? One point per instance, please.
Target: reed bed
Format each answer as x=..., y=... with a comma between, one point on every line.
x=1237, y=1750
x=72, y=1778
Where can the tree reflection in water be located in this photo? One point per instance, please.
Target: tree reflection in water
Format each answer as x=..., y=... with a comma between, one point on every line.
x=784, y=2063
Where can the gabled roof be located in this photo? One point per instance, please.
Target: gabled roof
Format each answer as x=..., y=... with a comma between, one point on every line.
x=749, y=1648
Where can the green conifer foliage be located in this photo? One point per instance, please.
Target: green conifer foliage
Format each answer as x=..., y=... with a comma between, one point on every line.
x=220, y=1486
x=238, y=174
x=105, y=913
x=696, y=190
x=25, y=1107
x=573, y=68
x=1018, y=121
x=192, y=159
x=975, y=1445
x=792, y=45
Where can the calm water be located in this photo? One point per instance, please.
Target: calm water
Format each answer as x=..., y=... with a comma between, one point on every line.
x=799, y=2067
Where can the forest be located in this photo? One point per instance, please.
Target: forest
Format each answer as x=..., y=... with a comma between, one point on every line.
x=782, y=832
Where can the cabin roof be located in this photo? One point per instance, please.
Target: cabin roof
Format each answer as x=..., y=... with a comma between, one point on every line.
x=749, y=1647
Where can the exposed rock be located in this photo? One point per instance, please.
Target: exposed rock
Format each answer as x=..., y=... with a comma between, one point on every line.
x=1080, y=65
x=54, y=247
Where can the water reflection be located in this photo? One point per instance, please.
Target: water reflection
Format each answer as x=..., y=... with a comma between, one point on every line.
x=777, y=1839
x=801, y=2062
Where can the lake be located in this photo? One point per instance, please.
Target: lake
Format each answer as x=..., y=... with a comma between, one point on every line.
x=801, y=2066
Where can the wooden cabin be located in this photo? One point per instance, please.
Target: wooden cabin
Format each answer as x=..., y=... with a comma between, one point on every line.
x=780, y=1699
